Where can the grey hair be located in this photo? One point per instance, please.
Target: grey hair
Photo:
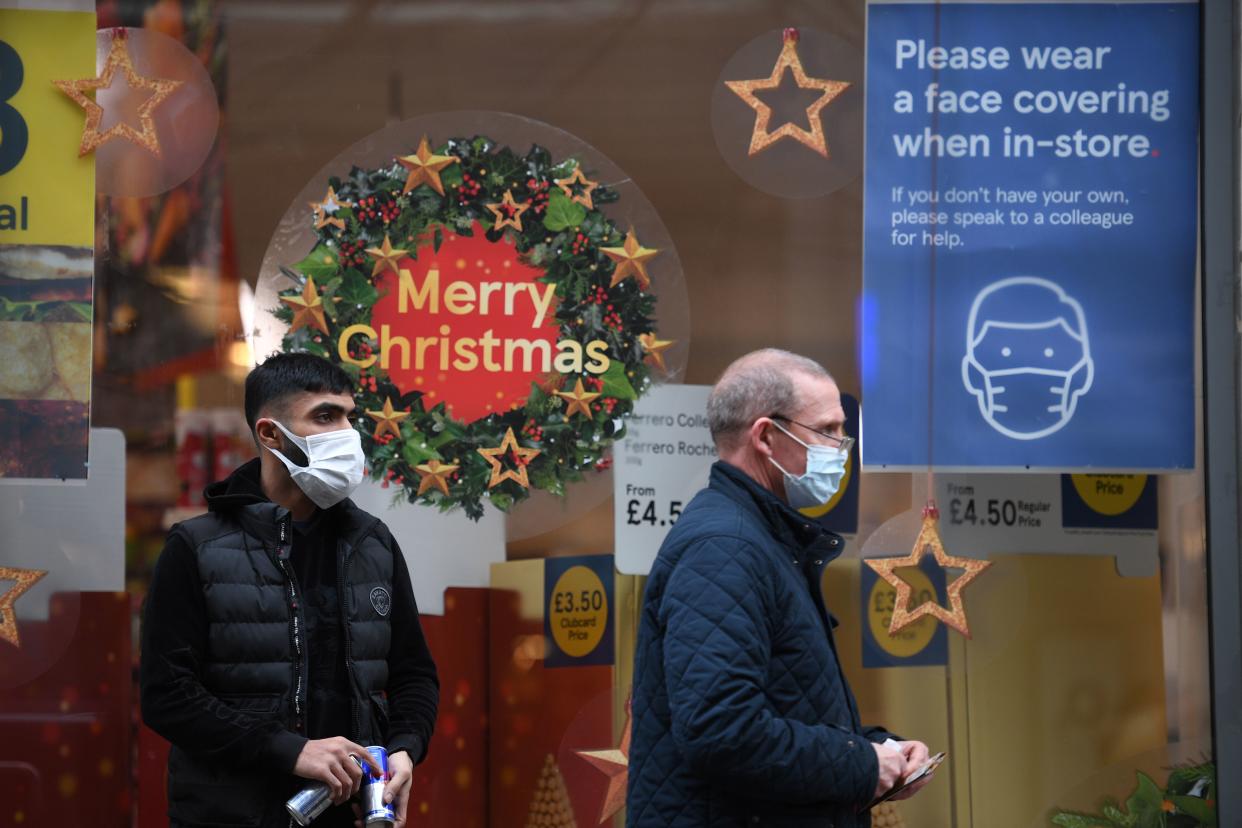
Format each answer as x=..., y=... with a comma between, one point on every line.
x=756, y=385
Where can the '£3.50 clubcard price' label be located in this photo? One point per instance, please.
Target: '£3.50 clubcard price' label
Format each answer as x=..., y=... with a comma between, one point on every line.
x=663, y=461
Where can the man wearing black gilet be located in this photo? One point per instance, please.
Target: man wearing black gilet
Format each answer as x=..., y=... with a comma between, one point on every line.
x=280, y=635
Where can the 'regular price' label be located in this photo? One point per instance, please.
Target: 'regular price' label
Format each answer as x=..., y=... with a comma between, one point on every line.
x=663, y=461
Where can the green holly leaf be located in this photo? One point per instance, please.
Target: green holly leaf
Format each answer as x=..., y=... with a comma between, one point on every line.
x=616, y=384
x=356, y=289
x=321, y=263
x=416, y=450
x=1195, y=807
x=1067, y=820
x=563, y=213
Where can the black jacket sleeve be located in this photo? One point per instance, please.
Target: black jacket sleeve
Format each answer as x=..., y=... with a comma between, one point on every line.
x=175, y=704
x=413, y=684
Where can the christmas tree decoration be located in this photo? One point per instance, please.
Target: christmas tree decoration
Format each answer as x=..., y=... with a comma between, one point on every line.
x=631, y=260
x=424, y=167
x=655, y=348
x=325, y=211
x=387, y=420
x=386, y=257
x=928, y=538
x=761, y=138
x=577, y=401
x=307, y=308
x=508, y=212
x=25, y=579
x=578, y=180
x=433, y=473
x=615, y=764
x=156, y=89
x=550, y=807
x=522, y=457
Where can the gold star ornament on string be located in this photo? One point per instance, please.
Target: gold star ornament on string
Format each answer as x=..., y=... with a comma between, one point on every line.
x=424, y=167
x=508, y=212
x=577, y=401
x=387, y=420
x=386, y=257
x=157, y=89
x=615, y=764
x=583, y=197
x=325, y=211
x=630, y=260
x=523, y=456
x=655, y=349
x=25, y=579
x=434, y=474
x=307, y=308
x=760, y=137
x=928, y=538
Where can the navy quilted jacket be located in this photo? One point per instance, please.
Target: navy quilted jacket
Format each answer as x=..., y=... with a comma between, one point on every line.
x=742, y=716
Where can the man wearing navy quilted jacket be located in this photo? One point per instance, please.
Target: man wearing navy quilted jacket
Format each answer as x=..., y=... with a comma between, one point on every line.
x=742, y=715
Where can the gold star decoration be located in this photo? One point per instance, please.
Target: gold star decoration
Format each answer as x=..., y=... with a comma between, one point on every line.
x=760, y=137
x=615, y=764
x=522, y=455
x=325, y=211
x=388, y=419
x=655, y=348
x=434, y=473
x=578, y=179
x=307, y=308
x=424, y=167
x=508, y=212
x=386, y=257
x=928, y=538
x=159, y=89
x=631, y=260
x=25, y=578
x=577, y=401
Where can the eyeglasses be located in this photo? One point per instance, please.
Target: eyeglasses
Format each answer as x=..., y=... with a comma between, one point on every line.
x=843, y=443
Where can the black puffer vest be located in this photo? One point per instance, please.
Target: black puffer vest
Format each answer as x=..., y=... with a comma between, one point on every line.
x=256, y=658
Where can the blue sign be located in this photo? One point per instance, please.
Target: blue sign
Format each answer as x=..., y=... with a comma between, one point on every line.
x=1029, y=252
x=578, y=611
x=1121, y=501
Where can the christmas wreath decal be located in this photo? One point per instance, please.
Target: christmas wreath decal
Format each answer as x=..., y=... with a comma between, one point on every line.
x=498, y=325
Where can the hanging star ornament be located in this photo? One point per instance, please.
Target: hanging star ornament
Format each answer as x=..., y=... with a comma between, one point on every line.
x=508, y=212
x=578, y=180
x=386, y=257
x=433, y=473
x=325, y=211
x=388, y=420
x=655, y=349
x=158, y=88
x=522, y=455
x=25, y=578
x=424, y=167
x=615, y=764
x=631, y=260
x=307, y=308
x=577, y=401
x=928, y=538
x=760, y=137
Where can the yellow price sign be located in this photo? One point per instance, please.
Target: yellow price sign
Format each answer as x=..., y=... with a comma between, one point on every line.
x=47, y=193
x=881, y=603
x=1110, y=494
x=578, y=611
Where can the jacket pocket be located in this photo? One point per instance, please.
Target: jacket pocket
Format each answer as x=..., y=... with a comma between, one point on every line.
x=379, y=717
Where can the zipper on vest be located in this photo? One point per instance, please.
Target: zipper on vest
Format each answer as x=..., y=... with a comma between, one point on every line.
x=282, y=557
x=342, y=579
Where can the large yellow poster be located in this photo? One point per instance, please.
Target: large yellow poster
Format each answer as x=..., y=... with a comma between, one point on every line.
x=47, y=229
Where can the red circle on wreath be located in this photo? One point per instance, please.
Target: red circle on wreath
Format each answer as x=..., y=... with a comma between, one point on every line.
x=469, y=325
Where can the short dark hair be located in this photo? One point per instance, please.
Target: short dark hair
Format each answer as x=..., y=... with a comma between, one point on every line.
x=283, y=375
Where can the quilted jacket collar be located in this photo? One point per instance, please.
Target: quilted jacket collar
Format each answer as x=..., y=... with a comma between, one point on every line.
x=801, y=534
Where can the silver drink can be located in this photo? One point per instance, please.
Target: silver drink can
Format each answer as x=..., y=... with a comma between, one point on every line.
x=374, y=811
x=309, y=803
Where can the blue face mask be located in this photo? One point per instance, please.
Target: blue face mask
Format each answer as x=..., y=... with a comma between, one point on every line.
x=825, y=467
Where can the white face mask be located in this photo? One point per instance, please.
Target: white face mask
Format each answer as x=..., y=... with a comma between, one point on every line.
x=825, y=466
x=334, y=464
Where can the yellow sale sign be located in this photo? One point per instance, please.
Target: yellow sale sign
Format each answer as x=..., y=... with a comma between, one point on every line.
x=47, y=193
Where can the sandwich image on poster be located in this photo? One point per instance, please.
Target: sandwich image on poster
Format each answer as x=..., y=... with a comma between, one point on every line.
x=45, y=376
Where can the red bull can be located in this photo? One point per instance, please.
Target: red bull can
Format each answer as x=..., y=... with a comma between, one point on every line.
x=308, y=803
x=374, y=810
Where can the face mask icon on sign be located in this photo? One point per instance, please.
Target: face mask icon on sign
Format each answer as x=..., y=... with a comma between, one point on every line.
x=1028, y=356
